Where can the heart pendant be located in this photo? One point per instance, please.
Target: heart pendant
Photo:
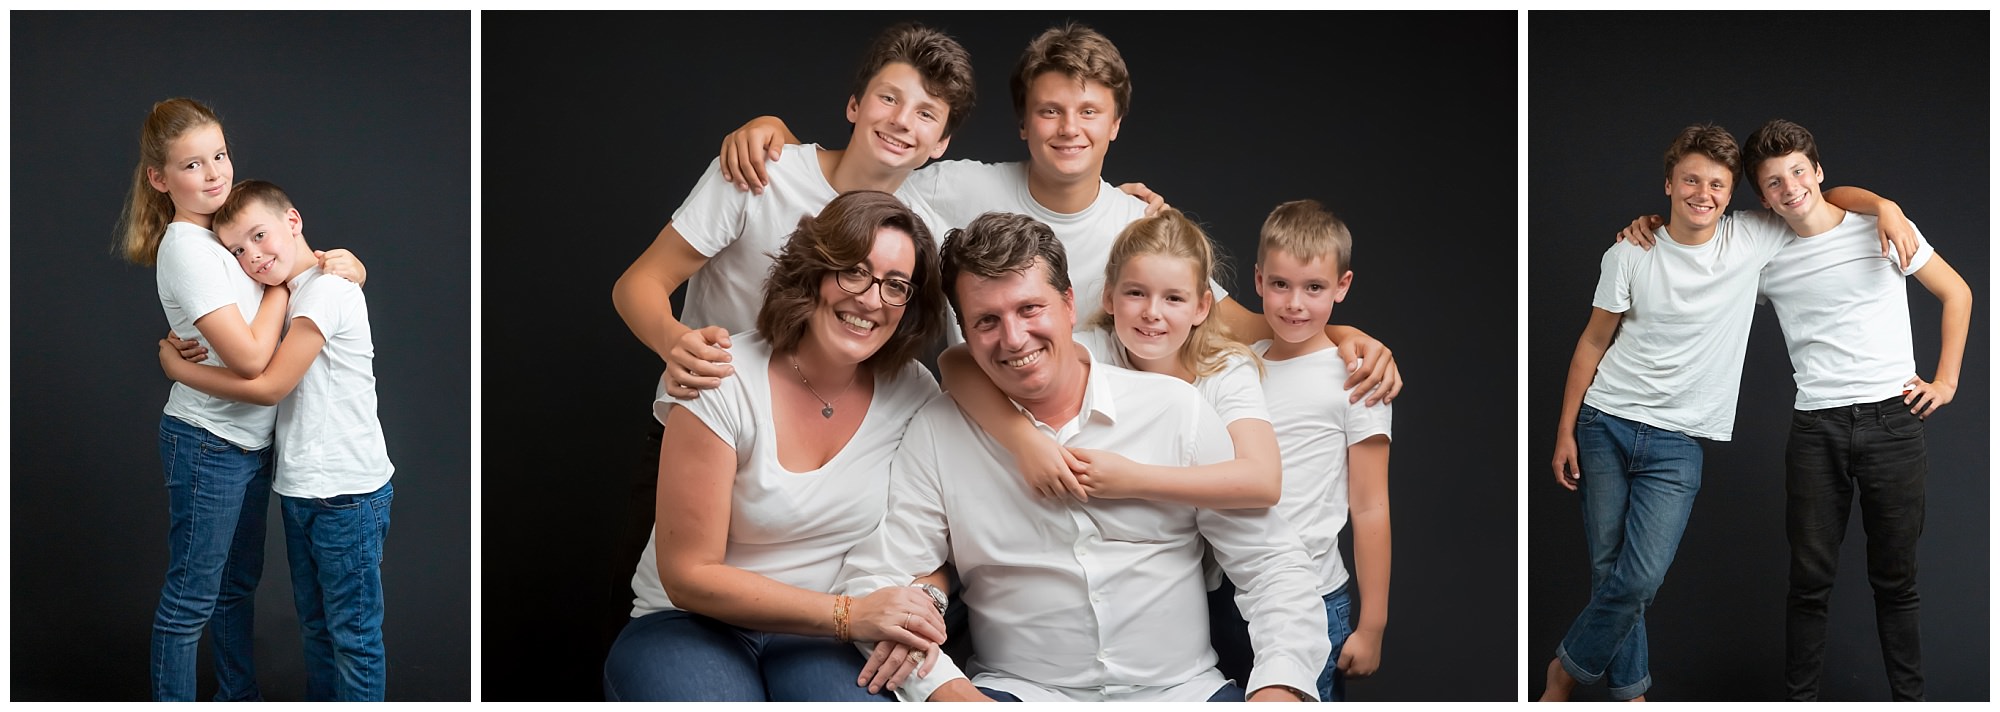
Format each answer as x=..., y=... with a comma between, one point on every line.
x=826, y=412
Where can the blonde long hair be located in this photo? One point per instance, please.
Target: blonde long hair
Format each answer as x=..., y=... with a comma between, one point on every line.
x=1170, y=233
x=147, y=211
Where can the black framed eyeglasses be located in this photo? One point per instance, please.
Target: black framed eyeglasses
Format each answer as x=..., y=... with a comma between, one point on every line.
x=896, y=291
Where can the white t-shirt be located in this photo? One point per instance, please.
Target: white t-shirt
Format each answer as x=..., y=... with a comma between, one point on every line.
x=1235, y=392
x=1315, y=425
x=1678, y=357
x=329, y=440
x=1845, y=314
x=741, y=233
x=196, y=275
x=791, y=527
x=961, y=191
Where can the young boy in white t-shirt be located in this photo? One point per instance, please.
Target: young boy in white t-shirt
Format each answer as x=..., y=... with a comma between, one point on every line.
x=1334, y=451
x=1858, y=419
x=333, y=469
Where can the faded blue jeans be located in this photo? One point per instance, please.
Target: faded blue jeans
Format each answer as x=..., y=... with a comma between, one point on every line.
x=335, y=547
x=1638, y=485
x=217, y=494
x=677, y=656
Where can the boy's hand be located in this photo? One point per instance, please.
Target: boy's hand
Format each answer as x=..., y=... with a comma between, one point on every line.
x=1361, y=654
x=698, y=362
x=1896, y=230
x=1565, y=462
x=1154, y=201
x=745, y=150
x=1640, y=232
x=1107, y=474
x=1050, y=469
x=1928, y=396
x=1371, y=370
x=343, y=264
x=190, y=351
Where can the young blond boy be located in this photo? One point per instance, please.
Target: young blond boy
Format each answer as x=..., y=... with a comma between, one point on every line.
x=333, y=469
x=1334, y=451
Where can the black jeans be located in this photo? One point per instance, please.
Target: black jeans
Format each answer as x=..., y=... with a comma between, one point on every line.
x=1877, y=449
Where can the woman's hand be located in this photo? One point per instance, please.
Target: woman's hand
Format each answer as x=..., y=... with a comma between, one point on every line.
x=898, y=614
x=190, y=350
x=891, y=663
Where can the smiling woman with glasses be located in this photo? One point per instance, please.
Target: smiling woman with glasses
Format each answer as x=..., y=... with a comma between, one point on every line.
x=767, y=481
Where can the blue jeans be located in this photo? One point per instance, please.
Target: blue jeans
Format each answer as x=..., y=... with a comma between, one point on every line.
x=1877, y=450
x=677, y=656
x=1638, y=485
x=217, y=494
x=1229, y=634
x=335, y=547
x=1228, y=692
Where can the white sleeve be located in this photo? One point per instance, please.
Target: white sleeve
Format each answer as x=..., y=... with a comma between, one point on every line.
x=1614, y=284
x=724, y=409
x=1365, y=421
x=192, y=279
x=325, y=304
x=1924, y=252
x=712, y=217
x=1277, y=592
x=912, y=540
x=1236, y=392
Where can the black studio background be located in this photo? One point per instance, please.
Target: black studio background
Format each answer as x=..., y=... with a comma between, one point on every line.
x=364, y=119
x=1898, y=105
x=596, y=126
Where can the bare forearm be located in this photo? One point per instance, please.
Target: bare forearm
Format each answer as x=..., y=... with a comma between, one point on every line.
x=1371, y=565
x=223, y=383
x=753, y=601
x=1951, y=352
x=648, y=310
x=1242, y=483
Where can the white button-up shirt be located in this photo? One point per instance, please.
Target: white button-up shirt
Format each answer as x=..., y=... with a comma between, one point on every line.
x=1100, y=600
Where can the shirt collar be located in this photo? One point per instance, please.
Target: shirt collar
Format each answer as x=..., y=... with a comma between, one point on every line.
x=303, y=278
x=1099, y=403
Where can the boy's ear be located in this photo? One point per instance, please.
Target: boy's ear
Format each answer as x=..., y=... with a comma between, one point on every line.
x=942, y=144
x=294, y=222
x=854, y=108
x=1340, y=288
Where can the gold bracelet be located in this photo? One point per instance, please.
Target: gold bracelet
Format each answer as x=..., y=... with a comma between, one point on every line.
x=840, y=604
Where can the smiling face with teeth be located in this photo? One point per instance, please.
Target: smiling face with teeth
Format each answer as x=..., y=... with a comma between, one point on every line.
x=1017, y=327
x=1069, y=124
x=1790, y=185
x=1156, y=300
x=265, y=241
x=896, y=121
x=848, y=328
x=1699, y=188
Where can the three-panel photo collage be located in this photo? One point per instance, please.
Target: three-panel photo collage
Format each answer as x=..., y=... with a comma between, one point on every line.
x=777, y=355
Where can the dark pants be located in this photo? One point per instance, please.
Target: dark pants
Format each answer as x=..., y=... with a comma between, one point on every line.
x=1229, y=692
x=1876, y=449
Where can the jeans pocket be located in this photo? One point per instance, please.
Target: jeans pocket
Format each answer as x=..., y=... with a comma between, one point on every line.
x=1901, y=423
x=1586, y=415
x=1804, y=419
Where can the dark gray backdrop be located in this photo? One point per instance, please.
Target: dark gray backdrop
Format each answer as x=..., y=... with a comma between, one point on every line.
x=597, y=125
x=364, y=119
x=1898, y=104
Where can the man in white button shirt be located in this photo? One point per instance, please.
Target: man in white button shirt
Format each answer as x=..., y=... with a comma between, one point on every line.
x=1068, y=600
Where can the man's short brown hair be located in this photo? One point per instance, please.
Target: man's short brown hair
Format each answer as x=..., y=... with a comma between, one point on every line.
x=1775, y=139
x=996, y=244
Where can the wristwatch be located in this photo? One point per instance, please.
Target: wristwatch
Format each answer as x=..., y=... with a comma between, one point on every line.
x=938, y=598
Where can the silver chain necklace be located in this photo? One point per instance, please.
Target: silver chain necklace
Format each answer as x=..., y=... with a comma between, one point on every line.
x=827, y=410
